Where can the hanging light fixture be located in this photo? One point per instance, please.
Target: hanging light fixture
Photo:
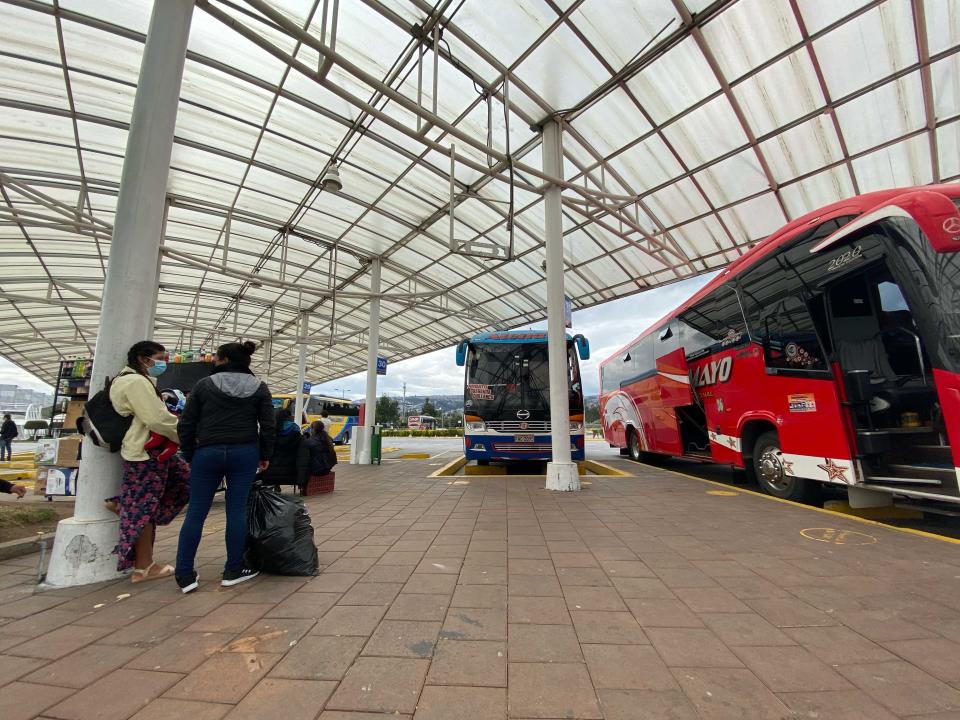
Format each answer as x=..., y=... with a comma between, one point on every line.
x=330, y=180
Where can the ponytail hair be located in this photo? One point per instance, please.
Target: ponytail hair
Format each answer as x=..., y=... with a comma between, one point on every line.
x=237, y=353
x=141, y=350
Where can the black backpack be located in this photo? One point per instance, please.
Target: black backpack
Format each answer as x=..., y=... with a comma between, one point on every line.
x=101, y=421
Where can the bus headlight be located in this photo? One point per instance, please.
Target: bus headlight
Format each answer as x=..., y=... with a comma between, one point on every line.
x=475, y=426
x=576, y=426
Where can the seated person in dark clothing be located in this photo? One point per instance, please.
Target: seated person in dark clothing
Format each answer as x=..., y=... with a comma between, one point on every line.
x=323, y=454
x=289, y=460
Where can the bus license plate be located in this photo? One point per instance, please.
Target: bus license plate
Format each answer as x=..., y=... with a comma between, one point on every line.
x=527, y=438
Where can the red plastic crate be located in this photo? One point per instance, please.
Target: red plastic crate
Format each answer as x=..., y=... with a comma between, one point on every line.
x=319, y=484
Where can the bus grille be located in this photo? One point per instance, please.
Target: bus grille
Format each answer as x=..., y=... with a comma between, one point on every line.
x=522, y=447
x=533, y=426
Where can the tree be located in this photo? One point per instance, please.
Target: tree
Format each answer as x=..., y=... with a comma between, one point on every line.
x=429, y=408
x=388, y=411
x=453, y=418
x=591, y=412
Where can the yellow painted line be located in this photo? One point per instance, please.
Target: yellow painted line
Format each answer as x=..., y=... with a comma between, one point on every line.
x=451, y=467
x=598, y=468
x=722, y=493
x=875, y=513
x=825, y=511
x=415, y=456
x=17, y=475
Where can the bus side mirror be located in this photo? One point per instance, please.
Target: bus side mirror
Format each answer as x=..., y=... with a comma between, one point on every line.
x=583, y=346
x=462, y=353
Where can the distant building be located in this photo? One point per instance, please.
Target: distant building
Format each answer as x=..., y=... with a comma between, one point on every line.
x=16, y=397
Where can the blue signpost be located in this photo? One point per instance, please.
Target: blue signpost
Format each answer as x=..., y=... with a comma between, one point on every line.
x=381, y=366
x=307, y=386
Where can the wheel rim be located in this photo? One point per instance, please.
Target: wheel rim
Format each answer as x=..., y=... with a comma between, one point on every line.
x=770, y=469
x=634, y=446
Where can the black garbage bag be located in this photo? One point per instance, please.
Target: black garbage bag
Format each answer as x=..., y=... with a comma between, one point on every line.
x=279, y=534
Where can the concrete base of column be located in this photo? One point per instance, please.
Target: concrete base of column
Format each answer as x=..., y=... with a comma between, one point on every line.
x=563, y=476
x=363, y=452
x=83, y=552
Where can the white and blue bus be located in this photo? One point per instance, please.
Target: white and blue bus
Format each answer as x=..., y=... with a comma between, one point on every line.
x=506, y=398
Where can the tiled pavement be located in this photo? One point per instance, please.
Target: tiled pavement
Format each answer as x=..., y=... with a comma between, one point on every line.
x=642, y=597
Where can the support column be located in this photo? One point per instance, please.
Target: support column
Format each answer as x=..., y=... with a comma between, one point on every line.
x=370, y=414
x=301, y=366
x=562, y=473
x=82, y=550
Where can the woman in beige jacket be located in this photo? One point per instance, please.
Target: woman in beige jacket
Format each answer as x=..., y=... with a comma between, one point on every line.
x=153, y=490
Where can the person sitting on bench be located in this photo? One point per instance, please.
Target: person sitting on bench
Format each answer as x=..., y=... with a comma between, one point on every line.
x=323, y=454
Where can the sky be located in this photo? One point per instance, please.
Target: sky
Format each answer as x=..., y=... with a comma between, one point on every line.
x=608, y=327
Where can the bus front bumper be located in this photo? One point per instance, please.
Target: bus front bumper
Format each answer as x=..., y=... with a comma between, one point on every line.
x=506, y=447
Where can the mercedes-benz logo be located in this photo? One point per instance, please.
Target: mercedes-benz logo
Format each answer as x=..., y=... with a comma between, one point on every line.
x=523, y=414
x=952, y=226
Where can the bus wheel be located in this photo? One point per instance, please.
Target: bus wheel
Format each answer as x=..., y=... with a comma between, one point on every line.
x=771, y=475
x=633, y=445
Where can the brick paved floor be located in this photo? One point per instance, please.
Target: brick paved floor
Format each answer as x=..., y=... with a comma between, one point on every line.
x=641, y=597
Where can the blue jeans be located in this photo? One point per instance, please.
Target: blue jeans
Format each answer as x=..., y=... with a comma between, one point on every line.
x=6, y=448
x=211, y=464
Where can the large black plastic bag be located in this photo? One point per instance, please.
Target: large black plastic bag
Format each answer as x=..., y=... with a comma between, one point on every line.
x=279, y=534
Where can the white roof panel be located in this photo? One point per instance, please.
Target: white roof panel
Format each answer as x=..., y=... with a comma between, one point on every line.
x=647, y=119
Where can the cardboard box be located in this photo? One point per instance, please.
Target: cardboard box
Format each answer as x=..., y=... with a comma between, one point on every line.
x=74, y=411
x=56, y=481
x=62, y=452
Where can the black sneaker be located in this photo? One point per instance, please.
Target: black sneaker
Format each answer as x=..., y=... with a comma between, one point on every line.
x=188, y=583
x=235, y=577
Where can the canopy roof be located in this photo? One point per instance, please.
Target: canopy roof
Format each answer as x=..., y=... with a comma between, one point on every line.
x=691, y=129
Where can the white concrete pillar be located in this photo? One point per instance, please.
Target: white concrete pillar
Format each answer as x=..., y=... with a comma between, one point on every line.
x=373, y=342
x=304, y=327
x=562, y=473
x=82, y=551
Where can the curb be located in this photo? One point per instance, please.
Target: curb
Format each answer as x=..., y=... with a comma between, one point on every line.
x=23, y=546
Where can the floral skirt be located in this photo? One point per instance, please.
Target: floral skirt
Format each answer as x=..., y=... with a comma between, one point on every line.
x=151, y=492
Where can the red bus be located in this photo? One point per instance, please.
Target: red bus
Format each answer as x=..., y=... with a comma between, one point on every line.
x=421, y=422
x=828, y=353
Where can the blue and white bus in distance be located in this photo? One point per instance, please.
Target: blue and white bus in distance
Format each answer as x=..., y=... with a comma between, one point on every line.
x=506, y=397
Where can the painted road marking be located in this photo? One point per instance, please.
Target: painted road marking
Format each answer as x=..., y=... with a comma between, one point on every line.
x=838, y=537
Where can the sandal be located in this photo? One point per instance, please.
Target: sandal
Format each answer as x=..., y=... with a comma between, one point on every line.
x=145, y=574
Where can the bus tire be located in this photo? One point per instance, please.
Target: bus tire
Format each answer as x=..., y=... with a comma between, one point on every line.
x=633, y=446
x=483, y=463
x=771, y=476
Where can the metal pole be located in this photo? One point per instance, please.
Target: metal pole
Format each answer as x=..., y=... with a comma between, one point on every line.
x=301, y=367
x=562, y=473
x=372, y=347
x=82, y=549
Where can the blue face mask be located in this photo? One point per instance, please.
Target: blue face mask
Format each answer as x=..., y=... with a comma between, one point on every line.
x=157, y=369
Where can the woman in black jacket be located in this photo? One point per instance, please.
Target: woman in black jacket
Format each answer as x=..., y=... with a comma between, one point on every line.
x=226, y=431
